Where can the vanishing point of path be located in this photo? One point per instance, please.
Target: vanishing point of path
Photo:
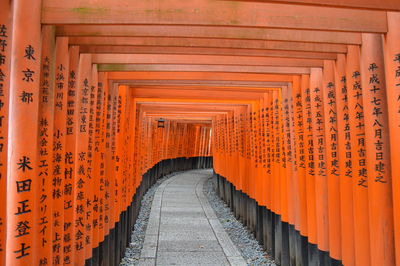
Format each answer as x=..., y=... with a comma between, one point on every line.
x=183, y=228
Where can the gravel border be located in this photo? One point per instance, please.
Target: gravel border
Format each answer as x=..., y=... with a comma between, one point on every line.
x=248, y=246
x=132, y=253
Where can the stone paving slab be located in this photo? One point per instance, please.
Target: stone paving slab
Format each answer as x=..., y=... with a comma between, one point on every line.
x=189, y=245
x=183, y=228
x=191, y=258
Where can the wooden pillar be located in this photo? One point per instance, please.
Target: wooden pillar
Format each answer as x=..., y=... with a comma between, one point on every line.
x=81, y=150
x=90, y=190
x=44, y=190
x=332, y=159
x=22, y=151
x=300, y=154
x=98, y=165
x=60, y=187
x=292, y=158
x=70, y=157
x=377, y=150
x=321, y=189
x=392, y=71
x=309, y=157
x=360, y=225
x=103, y=83
x=5, y=62
x=345, y=160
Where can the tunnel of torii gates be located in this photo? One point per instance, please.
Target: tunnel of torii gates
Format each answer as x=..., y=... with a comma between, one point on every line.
x=294, y=103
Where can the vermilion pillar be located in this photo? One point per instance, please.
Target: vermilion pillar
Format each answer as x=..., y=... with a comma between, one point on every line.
x=5, y=55
x=70, y=158
x=392, y=71
x=103, y=83
x=98, y=162
x=359, y=182
x=300, y=153
x=287, y=145
x=332, y=159
x=81, y=149
x=90, y=190
x=292, y=158
x=60, y=187
x=44, y=190
x=344, y=160
x=377, y=150
x=22, y=155
x=309, y=159
x=321, y=189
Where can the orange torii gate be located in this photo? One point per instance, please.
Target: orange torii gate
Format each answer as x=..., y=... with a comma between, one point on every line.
x=296, y=101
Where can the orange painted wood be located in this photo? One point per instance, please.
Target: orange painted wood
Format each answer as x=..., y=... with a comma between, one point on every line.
x=392, y=74
x=199, y=75
x=45, y=125
x=310, y=162
x=22, y=155
x=60, y=176
x=358, y=223
x=81, y=153
x=276, y=189
x=283, y=176
x=321, y=184
x=377, y=150
x=98, y=162
x=204, y=68
x=345, y=161
x=292, y=161
x=300, y=154
x=70, y=157
x=361, y=4
x=5, y=52
x=108, y=49
x=103, y=163
x=90, y=177
x=332, y=158
x=196, y=12
x=171, y=59
x=211, y=43
x=220, y=32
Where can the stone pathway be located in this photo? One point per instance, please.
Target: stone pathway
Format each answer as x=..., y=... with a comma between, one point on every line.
x=183, y=228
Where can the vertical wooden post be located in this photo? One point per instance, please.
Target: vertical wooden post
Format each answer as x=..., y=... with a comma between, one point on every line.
x=392, y=71
x=45, y=154
x=345, y=159
x=332, y=158
x=310, y=162
x=81, y=150
x=321, y=188
x=60, y=187
x=300, y=154
x=22, y=155
x=377, y=150
x=98, y=165
x=70, y=158
x=90, y=190
x=360, y=225
x=5, y=54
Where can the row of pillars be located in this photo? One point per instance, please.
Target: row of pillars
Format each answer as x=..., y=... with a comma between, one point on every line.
x=73, y=146
x=323, y=152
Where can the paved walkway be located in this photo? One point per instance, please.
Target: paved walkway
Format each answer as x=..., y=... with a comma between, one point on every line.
x=183, y=228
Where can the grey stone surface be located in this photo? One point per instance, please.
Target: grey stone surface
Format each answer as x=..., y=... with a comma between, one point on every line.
x=147, y=262
x=183, y=228
x=189, y=245
x=191, y=258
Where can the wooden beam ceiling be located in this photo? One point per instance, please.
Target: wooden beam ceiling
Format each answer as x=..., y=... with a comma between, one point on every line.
x=213, y=13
